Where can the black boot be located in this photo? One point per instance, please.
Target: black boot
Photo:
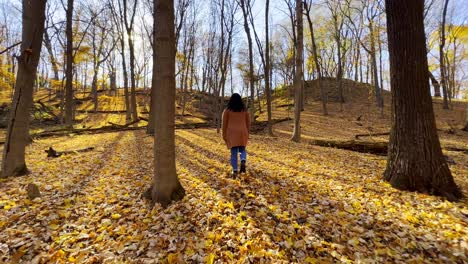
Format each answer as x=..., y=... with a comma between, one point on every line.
x=234, y=173
x=242, y=168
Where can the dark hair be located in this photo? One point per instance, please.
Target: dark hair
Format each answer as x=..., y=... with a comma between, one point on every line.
x=235, y=103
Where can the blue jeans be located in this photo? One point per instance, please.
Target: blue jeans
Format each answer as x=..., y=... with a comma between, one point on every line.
x=234, y=153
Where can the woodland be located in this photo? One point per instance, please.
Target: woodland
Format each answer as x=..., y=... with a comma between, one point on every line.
x=111, y=117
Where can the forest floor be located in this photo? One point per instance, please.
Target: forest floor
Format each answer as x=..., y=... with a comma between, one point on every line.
x=298, y=203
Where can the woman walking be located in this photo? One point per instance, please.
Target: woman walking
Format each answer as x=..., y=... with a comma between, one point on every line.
x=236, y=127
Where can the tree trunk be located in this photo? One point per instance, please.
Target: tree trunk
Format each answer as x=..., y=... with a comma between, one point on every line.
x=94, y=88
x=296, y=137
x=113, y=81
x=17, y=134
x=435, y=83
x=53, y=60
x=267, y=70
x=317, y=64
x=166, y=186
x=415, y=161
x=251, y=66
x=443, y=77
x=69, y=71
x=133, y=101
x=150, y=126
x=375, y=77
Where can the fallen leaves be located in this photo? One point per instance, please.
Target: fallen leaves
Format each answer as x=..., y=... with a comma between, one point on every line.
x=300, y=204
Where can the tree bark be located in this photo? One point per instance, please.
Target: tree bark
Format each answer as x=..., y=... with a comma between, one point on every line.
x=131, y=46
x=125, y=79
x=443, y=77
x=17, y=134
x=267, y=70
x=133, y=101
x=296, y=137
x=251, y=104
x=53, y=60
x=375, y=77
x=166, y=186
x=435, y=83
x=69, y=71
x=317, y=63
x=415, y=161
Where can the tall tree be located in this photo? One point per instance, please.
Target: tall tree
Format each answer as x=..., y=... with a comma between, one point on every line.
x=338, y=23
x=298, y=81
x=316, y=60
x=166, y=186
x=245, y=6
x=443, y=70
x=119, y=23
x=265, y=58
x=415, y=161
x=129, y=24
x=69, y=69
x=268, y=69
x=17, y=134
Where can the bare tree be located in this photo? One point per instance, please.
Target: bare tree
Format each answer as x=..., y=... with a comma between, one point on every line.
x=69, y=68
x=298, y=81
x=443, y=70
x=244, y=6
x=415, y=161
x=128, y=22
x=17, y=134
x=119, y=24
x=166, y=186
x=316, y=59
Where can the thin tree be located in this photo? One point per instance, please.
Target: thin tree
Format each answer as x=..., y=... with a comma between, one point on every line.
x=415, y=161
x=129, y=23
x=119, y=23
x=69, y=68
x=166, y=186
x=316, y=60
x=296, y=137
x=267, y=70
x=443, y=77
x=265, y=59
x=243, y=4
x=17, y=134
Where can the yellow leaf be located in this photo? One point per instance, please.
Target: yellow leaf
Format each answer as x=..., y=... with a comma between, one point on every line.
x=174, y=258
x=412, y=219
x=210, y=258
x=54, y=226
x=115, y=216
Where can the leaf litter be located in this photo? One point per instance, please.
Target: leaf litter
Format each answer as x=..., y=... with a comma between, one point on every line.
x=296, y=204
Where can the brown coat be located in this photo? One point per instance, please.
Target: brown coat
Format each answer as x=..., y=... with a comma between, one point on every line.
x=236, y=127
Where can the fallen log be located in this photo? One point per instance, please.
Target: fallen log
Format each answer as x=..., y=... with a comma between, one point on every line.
x=102, y=111
x=377, y=148
x=125, y=125
x=357, y=136
x=111, y=128
x=52, y=153
x=259, y=126
x=458, y=149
